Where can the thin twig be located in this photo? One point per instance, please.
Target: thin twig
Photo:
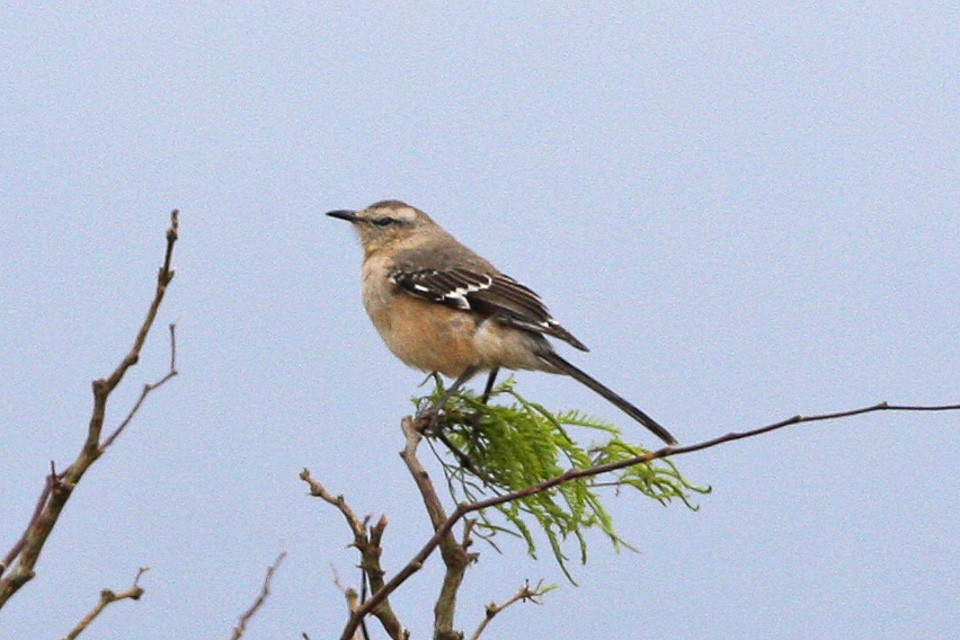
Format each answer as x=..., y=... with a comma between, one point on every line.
x=523, y=595
x=461, y=457
x=366, y=539
x=349, y=593
x=443, y=531
x=108, y=597
x=353, y=602
x=147, y=389
x=318, y=490
x=244, y=620
x=59, y=486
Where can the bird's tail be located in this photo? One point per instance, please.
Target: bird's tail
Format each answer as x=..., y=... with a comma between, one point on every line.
x=562, y=366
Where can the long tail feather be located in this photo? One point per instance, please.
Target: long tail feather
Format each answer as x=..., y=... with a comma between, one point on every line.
x=563, y=366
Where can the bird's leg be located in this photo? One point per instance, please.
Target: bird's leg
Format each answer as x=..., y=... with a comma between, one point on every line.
x=489, y=388
x=428, y=419
x=432, y=412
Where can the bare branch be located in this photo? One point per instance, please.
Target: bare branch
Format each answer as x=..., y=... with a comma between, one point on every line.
x=523, y=595
x=420, y=476
x=349, y=593
x=454, y=554
x=59, y=486
x=444, y=530
x=353, y=602
x=48, y=483
x=147, y=389
x=357, y=527
x=108, y=597
x=244, y=620
x=367, y=541
x=666, y=452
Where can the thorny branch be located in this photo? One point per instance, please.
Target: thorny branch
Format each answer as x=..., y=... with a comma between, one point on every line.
x=108, y=597
x=59, y=486
x=247, y=615
x=443, y=530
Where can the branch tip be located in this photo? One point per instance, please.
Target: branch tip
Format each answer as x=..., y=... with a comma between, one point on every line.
x=247, y=615
x=108, y=597
x=444, y=528
x=58, y=487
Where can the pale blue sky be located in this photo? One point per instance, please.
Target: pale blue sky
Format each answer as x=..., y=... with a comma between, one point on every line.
x=747, y=211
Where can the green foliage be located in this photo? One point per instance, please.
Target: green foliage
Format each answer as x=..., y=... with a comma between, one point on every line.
x=493, y=449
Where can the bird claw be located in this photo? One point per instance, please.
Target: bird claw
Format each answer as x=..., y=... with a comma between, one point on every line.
x=428, y=421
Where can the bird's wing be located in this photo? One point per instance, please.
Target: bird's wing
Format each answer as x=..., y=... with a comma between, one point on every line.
x=494, y=294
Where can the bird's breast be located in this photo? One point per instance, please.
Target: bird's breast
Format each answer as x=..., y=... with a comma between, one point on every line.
x=425, y=335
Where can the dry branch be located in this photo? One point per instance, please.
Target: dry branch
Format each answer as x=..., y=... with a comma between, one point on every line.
x=108, y=597
x=526, y=593
x=353, y=603
x=367, y=540
x=443, y=530
x=59, y=486
x=247, y=615
x=454, y=554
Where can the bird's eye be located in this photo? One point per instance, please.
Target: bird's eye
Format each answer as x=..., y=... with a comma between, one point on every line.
x=384, y=222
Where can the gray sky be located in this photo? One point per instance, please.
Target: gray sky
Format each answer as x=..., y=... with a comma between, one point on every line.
x=747, y=211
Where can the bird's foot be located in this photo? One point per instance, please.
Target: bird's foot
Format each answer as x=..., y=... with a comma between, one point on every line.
x=428, y=421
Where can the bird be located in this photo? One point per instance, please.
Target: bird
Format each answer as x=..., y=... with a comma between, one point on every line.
x=440, y=307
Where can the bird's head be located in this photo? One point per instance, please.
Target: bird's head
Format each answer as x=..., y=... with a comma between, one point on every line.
x=385, y=223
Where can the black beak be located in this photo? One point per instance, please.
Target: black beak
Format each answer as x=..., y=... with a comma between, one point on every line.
x=344, y=214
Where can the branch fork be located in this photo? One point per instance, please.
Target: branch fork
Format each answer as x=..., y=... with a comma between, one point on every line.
x=58, y=487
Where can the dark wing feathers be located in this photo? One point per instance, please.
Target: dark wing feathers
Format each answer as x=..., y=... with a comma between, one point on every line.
x=451, y=287
x=497, y=295
x=522, y=296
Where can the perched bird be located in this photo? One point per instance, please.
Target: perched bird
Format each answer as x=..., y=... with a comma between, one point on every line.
x=441, y=307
